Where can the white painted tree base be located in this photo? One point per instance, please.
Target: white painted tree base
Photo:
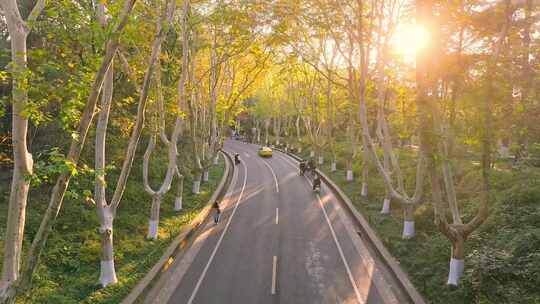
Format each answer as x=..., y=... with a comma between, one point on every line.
x=364, y=189
x=299, y=149
x=216, y=160
x=312, y=154
x=107, y=274
x=321, y=160
x=408, y=230
x=386, y=206
x=333, y=167
x=196, y=188
x=456, y=271
x=349, y=175
x=178, y=204
x=205, y=176
x=152, y=229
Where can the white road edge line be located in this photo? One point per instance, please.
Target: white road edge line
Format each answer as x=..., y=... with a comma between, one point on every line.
x=274, y=275
x=273, y=174
x=203, y=274
x=277, y=216
x=338, y=245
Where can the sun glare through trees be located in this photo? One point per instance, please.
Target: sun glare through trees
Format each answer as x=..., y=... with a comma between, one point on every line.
x=409, y=38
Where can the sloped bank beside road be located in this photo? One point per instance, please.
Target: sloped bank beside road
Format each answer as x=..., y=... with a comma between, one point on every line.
x=69, y=267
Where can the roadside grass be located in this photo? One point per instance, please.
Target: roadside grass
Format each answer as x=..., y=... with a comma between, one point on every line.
x=69, y=268
x=502, y=262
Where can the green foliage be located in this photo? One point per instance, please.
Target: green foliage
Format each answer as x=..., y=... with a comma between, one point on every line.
x=50, y=163
x=70, y=265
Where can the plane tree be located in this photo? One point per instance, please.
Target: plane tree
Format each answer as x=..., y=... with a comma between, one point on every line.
x=15, y=281
x=107, y=210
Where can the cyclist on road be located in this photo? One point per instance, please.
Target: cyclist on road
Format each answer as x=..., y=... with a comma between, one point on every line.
x=217, y=212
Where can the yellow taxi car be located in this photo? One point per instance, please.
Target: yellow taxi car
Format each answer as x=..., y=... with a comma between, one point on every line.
x=265, y=152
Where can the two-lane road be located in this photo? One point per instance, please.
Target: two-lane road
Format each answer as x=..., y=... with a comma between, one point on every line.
x=276, y=242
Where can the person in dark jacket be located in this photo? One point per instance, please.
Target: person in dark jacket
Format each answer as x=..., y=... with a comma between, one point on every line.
x=311, y=166
x=217, y=212
x=316, y=182
x=302, y=166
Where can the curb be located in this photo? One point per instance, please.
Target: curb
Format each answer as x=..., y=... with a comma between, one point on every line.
x=370, y=235
x=181, y=240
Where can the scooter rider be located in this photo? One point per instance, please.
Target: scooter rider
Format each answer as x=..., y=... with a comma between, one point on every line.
x=316, y=182
x=302, y=167
x=311, y=166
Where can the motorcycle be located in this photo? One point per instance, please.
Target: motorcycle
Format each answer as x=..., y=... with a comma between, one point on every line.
x=302, y=169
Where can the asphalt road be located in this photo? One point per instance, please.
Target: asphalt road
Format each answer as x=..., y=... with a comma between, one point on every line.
x=276, y=242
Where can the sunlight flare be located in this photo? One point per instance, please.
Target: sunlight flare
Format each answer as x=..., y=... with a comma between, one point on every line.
x=409, y=39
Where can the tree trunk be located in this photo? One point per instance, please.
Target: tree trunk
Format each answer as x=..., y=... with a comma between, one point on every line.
x=364, y=191
x=196, y=188
x=205, y=176
x=386, y=205
x=365, y=172
x=105, y=214
x=22, y=166
x=266, y=126
x=172, y=168
x=107, y=271
x=22, y=159
x=62, y=182
x=457, y=262
x=179, y=193
x=298, y=134
x=277, y=130
x=153, y=223
x=350, y=176
x=408, y=222
x=365, y=164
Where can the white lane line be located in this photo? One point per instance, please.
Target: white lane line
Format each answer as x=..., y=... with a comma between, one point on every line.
x=351, y=278
x=277, y=216
x=338, y=245
x=274, y=275
x=367, y=260
x=286, y=159
x=273, y=174
x=194, y=293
